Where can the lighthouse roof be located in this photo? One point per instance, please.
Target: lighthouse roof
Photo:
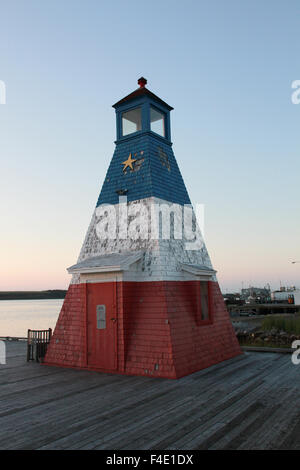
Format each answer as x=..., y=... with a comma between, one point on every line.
x=141, y=92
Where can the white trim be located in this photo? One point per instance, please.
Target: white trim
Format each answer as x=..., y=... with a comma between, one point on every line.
x=95, y=270
x=113, y=279
x=77, y=269
x=100, y=280
x=198, y=271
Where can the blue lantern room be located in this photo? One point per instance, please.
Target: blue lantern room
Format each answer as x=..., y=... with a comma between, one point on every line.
x=142, y=111
x=143, y=164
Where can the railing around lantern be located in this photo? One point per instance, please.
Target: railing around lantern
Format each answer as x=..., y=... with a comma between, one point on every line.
x=37, y=343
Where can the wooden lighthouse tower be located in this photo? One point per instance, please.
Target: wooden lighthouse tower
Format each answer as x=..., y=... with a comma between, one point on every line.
x=144, y=298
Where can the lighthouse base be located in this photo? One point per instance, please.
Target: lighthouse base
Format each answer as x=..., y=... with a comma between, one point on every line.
x=156, y=329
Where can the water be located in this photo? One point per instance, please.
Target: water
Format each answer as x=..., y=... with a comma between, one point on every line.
x=17, y=316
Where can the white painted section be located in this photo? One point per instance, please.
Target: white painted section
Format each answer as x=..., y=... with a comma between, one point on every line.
x=162, y=259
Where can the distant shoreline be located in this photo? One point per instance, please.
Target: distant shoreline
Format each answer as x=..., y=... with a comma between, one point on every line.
x=33, y=295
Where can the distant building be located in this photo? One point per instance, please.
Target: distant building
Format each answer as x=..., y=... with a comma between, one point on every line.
x=289, y=295
x=233, y=299
x=256, y=295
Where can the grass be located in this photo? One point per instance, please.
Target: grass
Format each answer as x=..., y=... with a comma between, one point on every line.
x=288, y=324
x=263, y=344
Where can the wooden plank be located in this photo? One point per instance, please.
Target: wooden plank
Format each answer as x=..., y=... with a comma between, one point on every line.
x=249, y=402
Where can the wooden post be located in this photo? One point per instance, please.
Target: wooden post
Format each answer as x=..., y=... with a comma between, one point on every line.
x=28, y=346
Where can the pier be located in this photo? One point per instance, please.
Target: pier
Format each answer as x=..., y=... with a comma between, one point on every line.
x=249, y=402
x=262, y=309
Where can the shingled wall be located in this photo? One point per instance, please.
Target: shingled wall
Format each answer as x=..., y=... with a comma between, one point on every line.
x=158, y=332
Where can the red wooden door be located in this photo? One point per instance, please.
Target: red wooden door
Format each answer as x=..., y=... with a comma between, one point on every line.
x=101, y=325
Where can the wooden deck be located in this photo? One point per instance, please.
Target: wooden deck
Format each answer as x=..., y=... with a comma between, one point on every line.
x=250, y=402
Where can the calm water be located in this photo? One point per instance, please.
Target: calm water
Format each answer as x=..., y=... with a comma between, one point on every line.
x=16, y=316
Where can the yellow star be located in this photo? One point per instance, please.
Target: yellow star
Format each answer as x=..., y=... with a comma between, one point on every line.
x=128, y=162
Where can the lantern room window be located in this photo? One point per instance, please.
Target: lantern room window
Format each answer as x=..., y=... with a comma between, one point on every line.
x=131, y=121
x=157, y=122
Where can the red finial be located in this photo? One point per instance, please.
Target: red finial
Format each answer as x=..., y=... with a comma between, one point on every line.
x=142, y=82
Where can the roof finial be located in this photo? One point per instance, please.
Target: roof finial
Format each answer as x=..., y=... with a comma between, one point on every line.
x=142, y=82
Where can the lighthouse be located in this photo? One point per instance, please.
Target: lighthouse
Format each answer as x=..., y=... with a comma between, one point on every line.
x=144, y=298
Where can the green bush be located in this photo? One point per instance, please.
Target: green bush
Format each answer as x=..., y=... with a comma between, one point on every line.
x=288, y=324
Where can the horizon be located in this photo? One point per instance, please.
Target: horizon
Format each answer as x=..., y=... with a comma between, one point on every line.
x=234, y=128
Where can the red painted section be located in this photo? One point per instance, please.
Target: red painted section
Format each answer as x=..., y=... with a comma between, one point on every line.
x=198, y=345
x=158, y=332
x=147, y=338
x=68, y=343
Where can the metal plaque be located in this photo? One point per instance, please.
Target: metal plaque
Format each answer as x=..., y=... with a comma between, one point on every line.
x=101, y=317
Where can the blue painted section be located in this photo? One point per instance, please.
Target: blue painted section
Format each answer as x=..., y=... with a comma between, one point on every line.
x=155, y=172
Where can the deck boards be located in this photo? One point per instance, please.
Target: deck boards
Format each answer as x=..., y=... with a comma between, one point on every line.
x=249, y=402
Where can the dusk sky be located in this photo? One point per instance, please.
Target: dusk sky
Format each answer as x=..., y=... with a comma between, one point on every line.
x=226, y=67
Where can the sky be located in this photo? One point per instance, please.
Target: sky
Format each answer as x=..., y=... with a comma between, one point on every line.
x=227, y=69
